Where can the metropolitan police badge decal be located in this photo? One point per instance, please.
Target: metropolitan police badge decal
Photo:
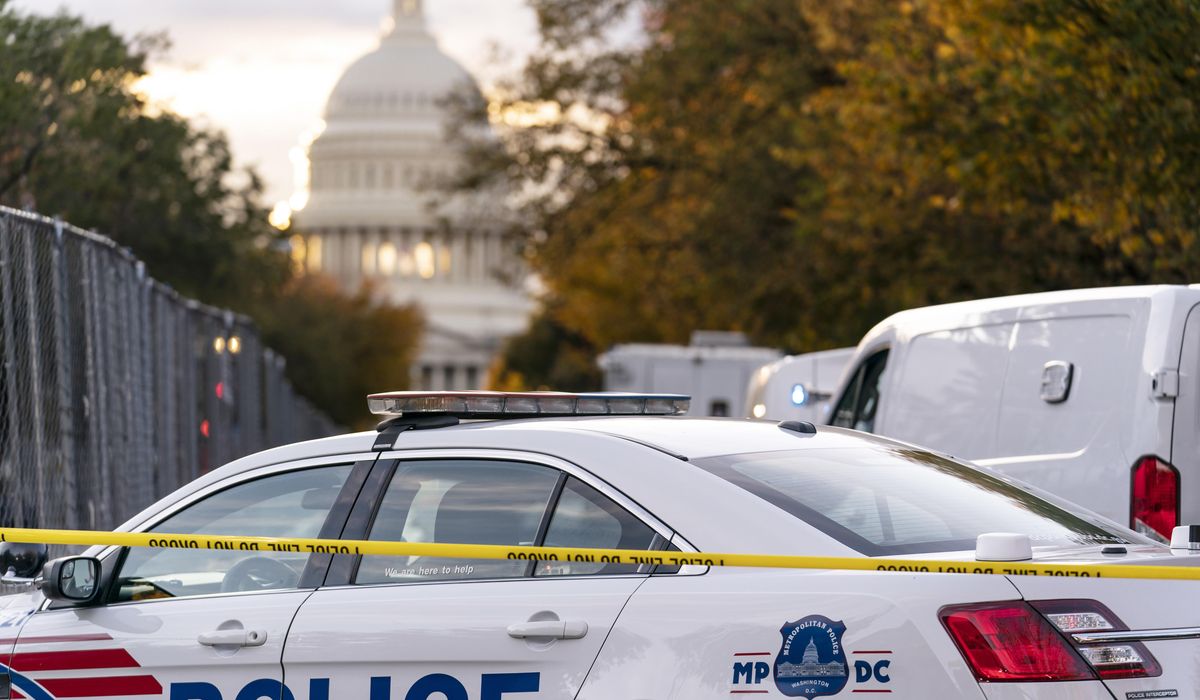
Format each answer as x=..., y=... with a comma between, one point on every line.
x=811, y=663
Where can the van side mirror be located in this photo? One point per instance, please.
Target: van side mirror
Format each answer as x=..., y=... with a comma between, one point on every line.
x=21, y=562
x=72, y=580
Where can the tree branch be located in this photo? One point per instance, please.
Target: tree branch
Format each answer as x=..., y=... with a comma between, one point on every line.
x=26, y=167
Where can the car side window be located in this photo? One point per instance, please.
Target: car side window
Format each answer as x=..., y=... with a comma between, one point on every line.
x=858, y=405
x=289, y=504
x=843, y=412
x=459, y=501
x=584, y=517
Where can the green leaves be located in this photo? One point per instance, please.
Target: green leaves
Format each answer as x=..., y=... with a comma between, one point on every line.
x=340, y=347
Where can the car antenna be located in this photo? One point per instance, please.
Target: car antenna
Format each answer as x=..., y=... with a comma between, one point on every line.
x=799, y=426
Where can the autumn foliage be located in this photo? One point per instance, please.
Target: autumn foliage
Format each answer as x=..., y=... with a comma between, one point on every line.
x=798, y=169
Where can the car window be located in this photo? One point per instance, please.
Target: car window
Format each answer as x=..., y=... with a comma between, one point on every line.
x=843, y=412
x=291, y=504
x=461, y=502
x=889, y=500
x=584, y=517
x=857, y=407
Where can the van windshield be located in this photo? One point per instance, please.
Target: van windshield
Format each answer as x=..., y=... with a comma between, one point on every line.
x=886, y=500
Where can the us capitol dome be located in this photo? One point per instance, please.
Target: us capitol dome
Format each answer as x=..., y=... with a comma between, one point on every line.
x=372, y=216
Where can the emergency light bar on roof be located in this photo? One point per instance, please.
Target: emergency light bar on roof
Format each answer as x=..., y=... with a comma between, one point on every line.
x=498, y=404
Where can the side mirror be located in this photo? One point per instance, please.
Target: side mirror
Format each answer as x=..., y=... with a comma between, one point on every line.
x=72, y=580
x=21, y=562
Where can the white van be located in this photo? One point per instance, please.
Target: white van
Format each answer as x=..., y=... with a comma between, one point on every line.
x=714, y=370
x=797, y=387
x=1091, y=394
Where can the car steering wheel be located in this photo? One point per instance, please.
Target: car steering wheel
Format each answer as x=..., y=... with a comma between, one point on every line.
x=258, y=573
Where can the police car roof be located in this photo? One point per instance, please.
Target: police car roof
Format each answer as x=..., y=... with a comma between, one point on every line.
x=686, y=437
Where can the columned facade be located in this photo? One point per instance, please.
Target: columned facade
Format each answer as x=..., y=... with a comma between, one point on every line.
x=373, y=218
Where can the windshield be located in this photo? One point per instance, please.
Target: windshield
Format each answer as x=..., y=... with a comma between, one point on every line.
x=888, y=500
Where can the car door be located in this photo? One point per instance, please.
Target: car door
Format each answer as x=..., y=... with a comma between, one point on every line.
x=195, y=624
x=416, y=628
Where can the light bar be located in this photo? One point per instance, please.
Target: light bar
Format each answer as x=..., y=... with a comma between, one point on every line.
x=500, y=404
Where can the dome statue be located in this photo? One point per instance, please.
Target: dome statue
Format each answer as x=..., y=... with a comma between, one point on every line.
x=375, y=216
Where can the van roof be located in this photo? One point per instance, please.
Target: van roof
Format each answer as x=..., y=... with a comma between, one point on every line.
x=1030, y=306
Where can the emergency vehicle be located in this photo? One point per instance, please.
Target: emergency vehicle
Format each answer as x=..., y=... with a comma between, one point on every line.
x=1092, y=394
x=604, y=471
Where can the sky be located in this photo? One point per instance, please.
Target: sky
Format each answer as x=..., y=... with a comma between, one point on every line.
x=261, y=70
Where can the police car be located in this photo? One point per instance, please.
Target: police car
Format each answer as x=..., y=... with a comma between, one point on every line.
x=603, y=471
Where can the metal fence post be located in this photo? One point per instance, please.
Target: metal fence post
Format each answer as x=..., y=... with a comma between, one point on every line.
x=63, y=347
x=10, y=506
x=37, y=427
x=98, y=372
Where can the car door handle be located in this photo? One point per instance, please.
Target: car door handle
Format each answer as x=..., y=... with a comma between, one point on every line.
x=233, y=638
x=549, y=629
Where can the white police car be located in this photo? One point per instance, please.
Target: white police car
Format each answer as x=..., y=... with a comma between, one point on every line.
x=236, y=625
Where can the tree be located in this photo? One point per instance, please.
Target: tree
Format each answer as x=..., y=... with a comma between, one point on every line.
x=799, y=169
x=654, y=188
x=546, y=357
x=342, y=347
x=78, y=141
x=986, y=148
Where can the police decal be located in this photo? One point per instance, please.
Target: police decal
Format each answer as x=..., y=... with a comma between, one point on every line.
x=811, y=662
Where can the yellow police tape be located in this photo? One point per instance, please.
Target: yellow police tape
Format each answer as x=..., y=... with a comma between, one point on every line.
x=582, y=555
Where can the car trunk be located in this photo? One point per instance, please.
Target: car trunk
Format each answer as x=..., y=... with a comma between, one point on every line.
x=1143, y=606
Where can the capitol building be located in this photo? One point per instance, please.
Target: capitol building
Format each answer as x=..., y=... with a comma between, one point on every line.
x=374, y=215
x=810, y=666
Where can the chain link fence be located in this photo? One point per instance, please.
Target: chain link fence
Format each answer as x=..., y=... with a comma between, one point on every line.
x=114, y=389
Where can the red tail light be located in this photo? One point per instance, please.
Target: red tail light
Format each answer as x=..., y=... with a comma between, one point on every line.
x=1154, y=501
x=1018, y=641
x=1012, y=642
